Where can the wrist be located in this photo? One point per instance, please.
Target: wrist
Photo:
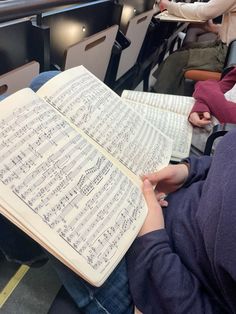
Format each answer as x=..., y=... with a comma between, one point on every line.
x=154, y=221
x=186, y=164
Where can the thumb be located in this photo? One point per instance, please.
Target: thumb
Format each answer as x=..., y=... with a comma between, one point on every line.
x=206, y=115
x=151, y=177
x=149, y=195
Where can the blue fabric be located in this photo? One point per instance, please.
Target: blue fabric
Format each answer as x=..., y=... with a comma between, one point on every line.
x=112, y=297
x=189, y=267
x=41, y=79
x=16, y=246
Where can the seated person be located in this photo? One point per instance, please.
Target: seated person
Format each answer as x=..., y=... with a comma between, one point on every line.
x=199, y=32
x=215, y=103
x=203, y=55
x=217, y=98
x=184, y=258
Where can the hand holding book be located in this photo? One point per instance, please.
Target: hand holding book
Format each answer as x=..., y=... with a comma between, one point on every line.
x=71, y=156
x=168, y=179
x=165, y=181
x=154, y=220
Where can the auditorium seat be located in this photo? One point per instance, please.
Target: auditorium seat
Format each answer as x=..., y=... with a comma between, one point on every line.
x=136, y=32
x=18, y=78
x=202, y=75
x=93, y=52
x=192, y=76
x=127, y=67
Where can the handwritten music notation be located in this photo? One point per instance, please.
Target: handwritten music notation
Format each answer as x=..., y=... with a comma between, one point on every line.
x=174, y=125
x=95, y=109
x=75, y=190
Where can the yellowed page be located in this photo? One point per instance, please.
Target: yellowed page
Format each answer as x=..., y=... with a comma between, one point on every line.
x=62, y=191
x=174, y=125
x=175, y=103
x=108, y=123
x=62, y=185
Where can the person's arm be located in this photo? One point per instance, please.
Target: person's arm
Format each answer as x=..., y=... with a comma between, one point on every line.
x=200, y=107
x=198, y=169
x=203, y=10
x=225, y=84
x=210, y=93
x=153, y=268
x=173, y=177
x=200, y=118
x=228, y=81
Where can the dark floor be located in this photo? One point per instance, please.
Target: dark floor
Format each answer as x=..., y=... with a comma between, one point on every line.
x=33, y=294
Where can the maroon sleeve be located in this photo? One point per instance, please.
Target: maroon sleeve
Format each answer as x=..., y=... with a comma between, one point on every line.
x=200, y=106
x=228, y=81
x=209, y=96
x=210, y=93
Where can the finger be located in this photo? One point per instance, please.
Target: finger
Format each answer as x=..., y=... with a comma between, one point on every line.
x=163, y=203
x=204, y=122
x=160, y=196
x=192, y=121
x=149, y=195
x=194, y=118
x=161, y=7
x=196, y=123
x=207, y=115
x=152, y=177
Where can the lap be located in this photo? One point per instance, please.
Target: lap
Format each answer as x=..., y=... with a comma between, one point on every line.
x=207, y=56
x=112, y=297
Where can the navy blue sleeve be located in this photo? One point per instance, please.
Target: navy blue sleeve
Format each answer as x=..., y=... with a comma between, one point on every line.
x=198, y=170
x=160, y=282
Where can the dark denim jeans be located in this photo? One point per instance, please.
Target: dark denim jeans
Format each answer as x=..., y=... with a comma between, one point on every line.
x=113, y=297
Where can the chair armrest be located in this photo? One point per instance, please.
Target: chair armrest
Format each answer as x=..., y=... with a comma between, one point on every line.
x=230, y=61
x=217, y=131
x=202, y=75
x=123, y=41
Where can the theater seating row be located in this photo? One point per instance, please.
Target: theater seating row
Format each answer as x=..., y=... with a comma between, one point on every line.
x=119, y=43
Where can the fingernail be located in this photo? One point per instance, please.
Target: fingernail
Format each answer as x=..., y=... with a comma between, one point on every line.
x=164, y=204
x=146, y=183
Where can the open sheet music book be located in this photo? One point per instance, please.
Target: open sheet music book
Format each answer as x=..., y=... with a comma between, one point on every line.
x=166, y=16
x=168, y=113
x=71, y=155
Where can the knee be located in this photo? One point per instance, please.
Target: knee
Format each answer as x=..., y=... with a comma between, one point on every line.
x=42, y=78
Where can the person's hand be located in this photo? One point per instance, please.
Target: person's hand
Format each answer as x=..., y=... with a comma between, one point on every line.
x=163, y=5
x=209, y=26
x=200, y=119
x=154, y=220
x=167, y=180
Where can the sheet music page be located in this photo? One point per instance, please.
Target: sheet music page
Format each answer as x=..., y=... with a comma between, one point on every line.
x=57, y=186
x=174, y=125
x=175, y=103
x=116, y=129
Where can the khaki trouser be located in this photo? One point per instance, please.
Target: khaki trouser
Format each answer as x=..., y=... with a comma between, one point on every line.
x=203, y=56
